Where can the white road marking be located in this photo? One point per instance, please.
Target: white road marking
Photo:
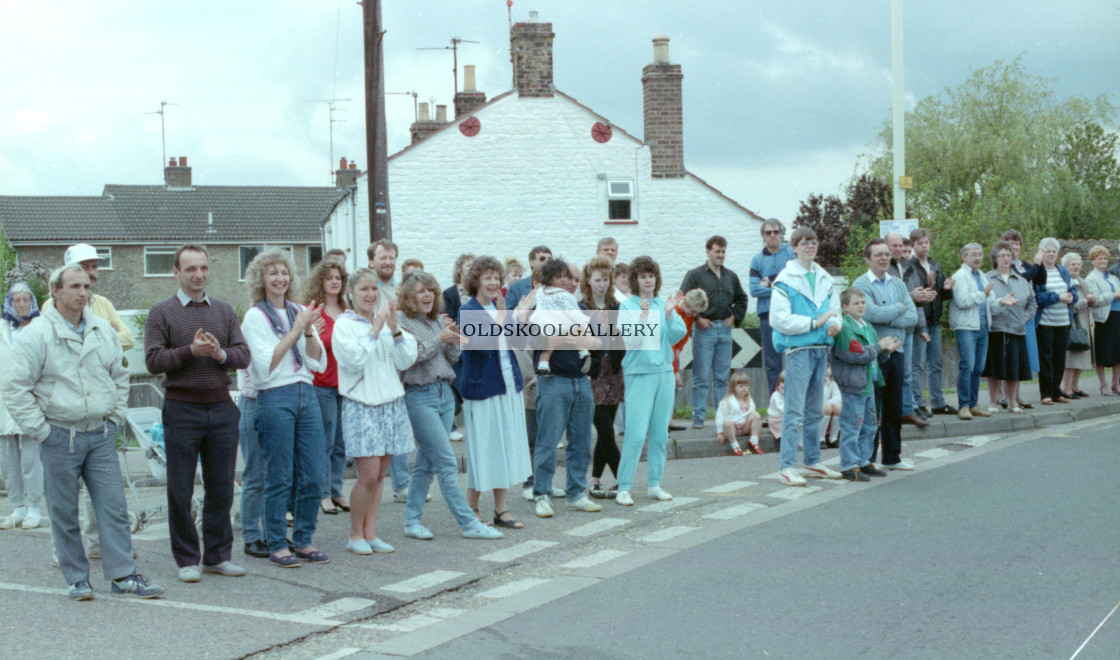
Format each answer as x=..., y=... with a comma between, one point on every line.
x=512, y=588
x=772, y=475
x=335, y=607
x=977, y=440
x=421, y=582
x=597, y=527
x=662, y=507
x=297, y=617
x=341, y=653
x=936, y=452
x=735, y=511
x=517, y=551
x=730, y=486
x=416, y=621
x=794, y=493
x=666, y=534
x=1094, y=631
x=594, y=559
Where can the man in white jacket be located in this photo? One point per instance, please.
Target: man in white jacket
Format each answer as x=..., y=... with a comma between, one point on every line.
x=68, y=389
x=970, y=318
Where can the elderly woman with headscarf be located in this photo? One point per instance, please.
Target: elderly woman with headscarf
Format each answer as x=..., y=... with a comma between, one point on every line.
x=19, y=454
x=1055, y=294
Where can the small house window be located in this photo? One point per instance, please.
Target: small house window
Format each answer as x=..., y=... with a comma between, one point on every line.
x=105, y=258
x=158, y=261
x=620, y=197
x=314, y=256
x=246, y=253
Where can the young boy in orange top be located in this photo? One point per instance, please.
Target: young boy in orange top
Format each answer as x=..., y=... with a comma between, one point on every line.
x=694, y=303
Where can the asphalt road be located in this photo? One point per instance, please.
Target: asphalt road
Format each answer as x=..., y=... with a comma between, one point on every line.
x=1012, y=554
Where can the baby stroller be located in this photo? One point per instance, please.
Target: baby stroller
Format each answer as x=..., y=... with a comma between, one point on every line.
x=143, y=424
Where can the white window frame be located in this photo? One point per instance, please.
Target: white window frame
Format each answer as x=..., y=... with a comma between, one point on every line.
x=627, y=195
x=262, y=247
x=104, y=254
x=162, y=250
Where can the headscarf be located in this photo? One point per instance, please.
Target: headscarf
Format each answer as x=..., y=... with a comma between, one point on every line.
x=10, y=314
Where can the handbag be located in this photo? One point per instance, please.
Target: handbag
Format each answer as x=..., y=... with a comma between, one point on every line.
x=1078, y=336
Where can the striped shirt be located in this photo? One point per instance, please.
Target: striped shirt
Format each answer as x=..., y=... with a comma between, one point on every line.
x=434, y=356
x=1055, y=315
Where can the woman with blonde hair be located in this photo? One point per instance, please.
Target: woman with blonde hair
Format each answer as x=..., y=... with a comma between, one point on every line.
x=326, y=284
x=1106, y=316
x=283, y=338
x=372, y=351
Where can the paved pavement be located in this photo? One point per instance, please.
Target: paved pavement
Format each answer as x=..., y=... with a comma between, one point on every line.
x=432, y=592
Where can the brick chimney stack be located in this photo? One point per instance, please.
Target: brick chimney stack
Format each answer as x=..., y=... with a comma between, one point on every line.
x=177, y=174
x=346, y=173
x=662, y=108
x=531, y=44
x=425, y=125
x=470, y=99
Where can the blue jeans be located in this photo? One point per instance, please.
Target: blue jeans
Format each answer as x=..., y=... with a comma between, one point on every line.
x=805, y=372
x=330, y=406
x=563, y=404
x=398, y=472
x=771, y=358
x=907, y=394
x=92, y=457
x=290, y=429
x=926, y=361
x=973, y=347
x=252, y=474
x=431, y=409
x=711, y=359
x=858, y=423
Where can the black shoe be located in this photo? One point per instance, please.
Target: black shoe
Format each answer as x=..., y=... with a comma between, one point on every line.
x=257, y=549
x=945, y=410
x=1025, y=406
x=925, y=412
x=872, y=471
x=598, y=492
x=1003, y=403
x=854, y=475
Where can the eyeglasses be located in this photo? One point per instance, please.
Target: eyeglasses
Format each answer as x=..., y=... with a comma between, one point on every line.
x=808, y=243
x=772, y=232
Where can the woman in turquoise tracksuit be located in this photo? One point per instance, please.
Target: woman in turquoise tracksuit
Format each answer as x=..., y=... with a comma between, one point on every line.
x=648, y=377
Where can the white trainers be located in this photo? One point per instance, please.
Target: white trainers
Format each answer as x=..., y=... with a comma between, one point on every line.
x=544, y=507
x=901, y=465
x=226, y=568
x=455, y=436
x=659, y=493
x=32, y=520
x=822, y=471
x=623, y=498
x=400, y=496
x=190, y=574
x=558, y=492
x=527, y=494
x=15, y=519
x=584, y=504
x=790, y=477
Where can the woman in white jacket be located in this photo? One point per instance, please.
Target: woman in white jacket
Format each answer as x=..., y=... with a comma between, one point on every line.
x=371, y=350
x=19, y=454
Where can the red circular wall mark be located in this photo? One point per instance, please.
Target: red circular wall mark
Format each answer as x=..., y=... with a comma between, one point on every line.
x=601, y=132
x=470, y=126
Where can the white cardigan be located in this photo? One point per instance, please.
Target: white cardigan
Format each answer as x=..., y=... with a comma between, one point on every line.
x=263, y=341
x=369, y=366
x=1099, y=288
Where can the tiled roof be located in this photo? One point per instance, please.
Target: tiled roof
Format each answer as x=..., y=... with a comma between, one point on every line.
x=157, y=213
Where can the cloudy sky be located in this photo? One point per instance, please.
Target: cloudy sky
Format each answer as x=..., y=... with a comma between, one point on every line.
x=780, y=97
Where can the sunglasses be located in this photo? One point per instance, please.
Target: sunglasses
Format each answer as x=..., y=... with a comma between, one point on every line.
x=773, y=232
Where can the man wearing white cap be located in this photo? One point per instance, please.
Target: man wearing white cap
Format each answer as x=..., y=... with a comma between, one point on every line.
x=86, y=256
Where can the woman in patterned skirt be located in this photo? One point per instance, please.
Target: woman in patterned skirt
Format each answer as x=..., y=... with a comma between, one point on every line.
x=371, y=350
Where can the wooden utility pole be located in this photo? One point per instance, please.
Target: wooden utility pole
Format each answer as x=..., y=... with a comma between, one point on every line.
x=380, y=225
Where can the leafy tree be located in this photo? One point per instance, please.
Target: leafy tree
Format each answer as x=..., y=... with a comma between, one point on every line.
x=870, y=199
x=997, y=152
x=1090, y=155
x=827, y=217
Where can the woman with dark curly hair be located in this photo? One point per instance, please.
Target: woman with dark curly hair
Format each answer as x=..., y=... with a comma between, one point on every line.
x=648, y=377
x=597, y=287
x=497, y=445
x=325, y=283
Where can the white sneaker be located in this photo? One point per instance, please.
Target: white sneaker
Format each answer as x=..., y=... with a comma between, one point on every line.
x=624, y=498
x=527, y=494
x=901, y=465
x=15, y=519
x=190, y=574
x=822, y=471
x=32, y=520
x=400, y=496
x=659, y=493
x=790, y=477
x=584, y=504
x=226, y=568
x=455, y=436
x=544, y=507
x=558, y=492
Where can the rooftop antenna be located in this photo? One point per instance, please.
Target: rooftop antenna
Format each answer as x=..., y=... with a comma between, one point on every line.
x=454, y=48
x=330, y=117
x=162, y=128
x=415, y=106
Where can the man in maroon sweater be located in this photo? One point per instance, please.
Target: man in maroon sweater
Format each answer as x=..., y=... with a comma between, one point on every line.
x=195, y=341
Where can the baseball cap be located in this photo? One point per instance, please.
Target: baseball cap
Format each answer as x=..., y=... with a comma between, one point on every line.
x=78, y=253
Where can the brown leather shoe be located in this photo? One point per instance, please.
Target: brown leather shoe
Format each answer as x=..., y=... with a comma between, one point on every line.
x=915, y=420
